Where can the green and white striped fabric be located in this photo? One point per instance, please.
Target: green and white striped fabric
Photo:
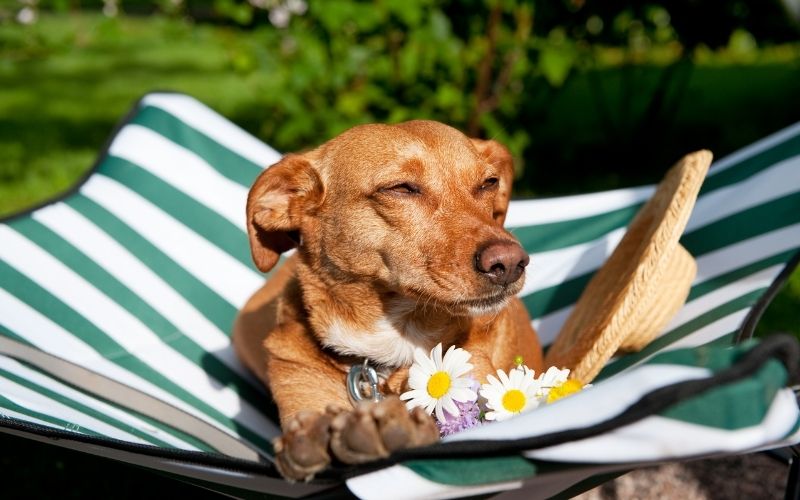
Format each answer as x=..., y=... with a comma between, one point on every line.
x=116, y=303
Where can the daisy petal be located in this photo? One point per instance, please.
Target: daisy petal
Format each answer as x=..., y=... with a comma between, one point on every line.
x=462, y=369
x=448, y=359
x=436, y=356
x=417, y=379
x=429, y=406
x=438, y=411
x=449, y=406
x=463, y=395
x=423, y=362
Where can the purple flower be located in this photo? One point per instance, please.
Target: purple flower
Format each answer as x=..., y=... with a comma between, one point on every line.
x=468, y=415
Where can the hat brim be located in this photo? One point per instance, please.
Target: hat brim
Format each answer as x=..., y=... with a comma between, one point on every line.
x=642, y=285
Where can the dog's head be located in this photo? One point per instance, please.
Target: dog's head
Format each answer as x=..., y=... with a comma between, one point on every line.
x=414, y=209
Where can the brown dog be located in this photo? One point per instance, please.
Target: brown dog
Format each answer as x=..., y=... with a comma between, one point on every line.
x=400, y=245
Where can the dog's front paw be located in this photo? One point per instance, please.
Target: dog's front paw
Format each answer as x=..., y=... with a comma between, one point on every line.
x=302, y=450
x=374, y=430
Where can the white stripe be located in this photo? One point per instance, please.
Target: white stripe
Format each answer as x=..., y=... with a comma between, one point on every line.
x=125, y=329
x=398, y=482
x=708, y=333
x=548, y=326
x=553, y=268
x=124, y=266
x=37, y=378
x=722, y=295
x=4, y=412
x=182, y=169
x=228, y=277
x=711, y=301
x=710, y=265
x=564, y=208
x=51, y=338
x=657, y=438
x=746, y=252
x=39, y=403
x=712, y=331
x=772, y=183
x=606, y=399
x=743, y=154
x=202, y=118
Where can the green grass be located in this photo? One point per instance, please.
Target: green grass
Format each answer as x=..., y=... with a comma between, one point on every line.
x=65, y=82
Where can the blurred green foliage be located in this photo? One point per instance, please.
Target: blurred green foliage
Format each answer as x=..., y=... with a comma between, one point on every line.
x=493, y=68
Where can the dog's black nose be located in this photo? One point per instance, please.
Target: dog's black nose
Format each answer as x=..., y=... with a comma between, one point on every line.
x=503, y=262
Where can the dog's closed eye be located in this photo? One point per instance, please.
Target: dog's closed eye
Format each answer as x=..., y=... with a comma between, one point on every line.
x=489, y=183
x=402, y=188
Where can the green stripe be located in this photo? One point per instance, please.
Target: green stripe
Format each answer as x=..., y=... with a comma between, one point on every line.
x=207, y=223
x=147, y=419
x=743, y=302
x=201, y=445
x=554, y=298
x=473, y=471
x=561, y=234
x=212, y=306
x=717, y=282
x=749, y=166
x=46, y=304
x=715, y=359
x=7, y=333
x=734, y=406
x=772, y=215
x=556, y=235
x=62, y=424
x=98, y=277
x=225, y=161
x=82, y=408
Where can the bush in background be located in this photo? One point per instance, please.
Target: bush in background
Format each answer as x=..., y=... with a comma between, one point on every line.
x=586, y=94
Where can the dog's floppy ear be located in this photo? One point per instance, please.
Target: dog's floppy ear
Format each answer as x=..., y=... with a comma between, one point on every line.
x=497, y=155
x=280, y=198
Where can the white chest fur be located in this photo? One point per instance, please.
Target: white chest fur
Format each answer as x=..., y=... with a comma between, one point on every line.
x=390, y=342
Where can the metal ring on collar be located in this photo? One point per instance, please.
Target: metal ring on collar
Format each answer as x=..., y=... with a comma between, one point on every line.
x=359, y=375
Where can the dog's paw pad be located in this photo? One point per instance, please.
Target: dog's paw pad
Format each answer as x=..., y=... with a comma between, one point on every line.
x=374, y=430
x=302, y=451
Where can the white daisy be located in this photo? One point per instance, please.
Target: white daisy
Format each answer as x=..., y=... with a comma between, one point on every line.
x=553, y=377
x=556, y=384
x=512, y=394
x=436, y=382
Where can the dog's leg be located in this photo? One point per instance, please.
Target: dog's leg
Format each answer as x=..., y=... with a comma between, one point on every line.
x=371, y=431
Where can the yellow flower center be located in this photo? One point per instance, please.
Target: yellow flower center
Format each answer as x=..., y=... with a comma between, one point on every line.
x=438, y=384
x=571, y=386
x=514, y=401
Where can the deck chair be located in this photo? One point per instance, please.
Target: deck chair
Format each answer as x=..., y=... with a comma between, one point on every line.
x=117, y=298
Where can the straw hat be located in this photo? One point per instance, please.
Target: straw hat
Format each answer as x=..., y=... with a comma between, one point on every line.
x=642, y=285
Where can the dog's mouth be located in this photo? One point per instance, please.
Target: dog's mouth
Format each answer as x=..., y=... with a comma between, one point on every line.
x=482, y=305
